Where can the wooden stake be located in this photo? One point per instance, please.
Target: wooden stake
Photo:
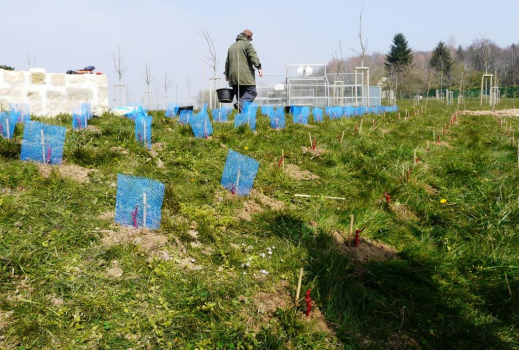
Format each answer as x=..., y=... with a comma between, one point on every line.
x=283, y=159
x=327, y=197
x=238, y=180
x=427, y=144
x=351, y=224
x=299, y=285
x=43, y=146
x=360, y=127
x=144, y=203
x=342, y=137
x=310, y=136
x=414, y=158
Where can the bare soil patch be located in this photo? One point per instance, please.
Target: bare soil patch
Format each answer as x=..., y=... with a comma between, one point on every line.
x=119, y=149
x=367, y=249
x=190, y=264
x=267, y=201
x=267, y=303
x=109, y=215
x=94, y=129
x=147, y=240
x=296, y=173
x=403, y=212
x=430, y=190
x=71, y=171
x=315, y=152
x=513, y=112
x=317, y=321
x=249, y=208
x=443, y=144
x=114, y=271
x=4, y=318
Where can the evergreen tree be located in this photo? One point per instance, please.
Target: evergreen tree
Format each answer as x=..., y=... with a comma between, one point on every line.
x=6, y=67
x=441, y=59
x=400, y=54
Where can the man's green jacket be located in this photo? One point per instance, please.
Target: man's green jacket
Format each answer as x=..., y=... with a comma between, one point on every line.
x=240, y=62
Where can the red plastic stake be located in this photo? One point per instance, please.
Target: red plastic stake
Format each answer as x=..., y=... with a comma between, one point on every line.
x=134, y=217
x=357, y=233
x=49, y=153
x=314, y=143
x=280, y=162
x=388, y=197
x=308, y=302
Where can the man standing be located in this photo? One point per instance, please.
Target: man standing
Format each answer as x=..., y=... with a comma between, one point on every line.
x=239, y=69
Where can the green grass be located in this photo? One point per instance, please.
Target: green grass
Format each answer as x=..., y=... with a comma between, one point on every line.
x=454, y=283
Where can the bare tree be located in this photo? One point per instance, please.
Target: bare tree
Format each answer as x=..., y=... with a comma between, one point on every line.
x=211, y=60
x=120, y=68
x=148, y=79
x=338, y=61
x=147, y=74
x=167, y=83
x=363, y=44
x=31, y=63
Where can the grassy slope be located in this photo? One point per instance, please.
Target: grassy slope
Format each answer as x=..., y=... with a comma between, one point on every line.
x=454, y=285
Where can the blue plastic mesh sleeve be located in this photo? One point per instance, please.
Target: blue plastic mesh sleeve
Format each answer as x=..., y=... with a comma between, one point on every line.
x=349, y=111
x=318, y=114
x=250, y=108
x=300, y=114
x=139, y=202
x=336, y=112
x=7, y=124
x=143, y=130
x=277, y=118
x=220, y=115
x=43, y=143
x=184, y=116
x=79, y=118
x=245, y=118
x=239, y=173
x=201, y=125
x=172, y=110
x=86, y=110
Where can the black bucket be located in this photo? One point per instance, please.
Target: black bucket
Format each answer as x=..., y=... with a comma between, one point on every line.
x=185, y=108
x=225, y=95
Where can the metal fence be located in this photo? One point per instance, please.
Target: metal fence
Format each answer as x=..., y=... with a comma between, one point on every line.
x=311, y=85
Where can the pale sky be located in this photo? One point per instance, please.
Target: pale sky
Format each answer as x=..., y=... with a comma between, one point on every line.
x=71, y=34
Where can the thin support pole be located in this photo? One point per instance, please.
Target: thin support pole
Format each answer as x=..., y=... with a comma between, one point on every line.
x=238, y=180
x=299, y=285
x=43, y=146
x=144, y=204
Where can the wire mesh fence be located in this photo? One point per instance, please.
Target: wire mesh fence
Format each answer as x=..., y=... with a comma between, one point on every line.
x=139, y=202
x=239, y=173
x=43, y=143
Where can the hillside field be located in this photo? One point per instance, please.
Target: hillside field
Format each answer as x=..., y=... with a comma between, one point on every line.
x=437, y=266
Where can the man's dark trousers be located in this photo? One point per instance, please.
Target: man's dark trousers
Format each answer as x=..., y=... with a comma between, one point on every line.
x=246, y=93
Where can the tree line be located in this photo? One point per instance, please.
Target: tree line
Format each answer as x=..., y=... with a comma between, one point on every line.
x=447, y=66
